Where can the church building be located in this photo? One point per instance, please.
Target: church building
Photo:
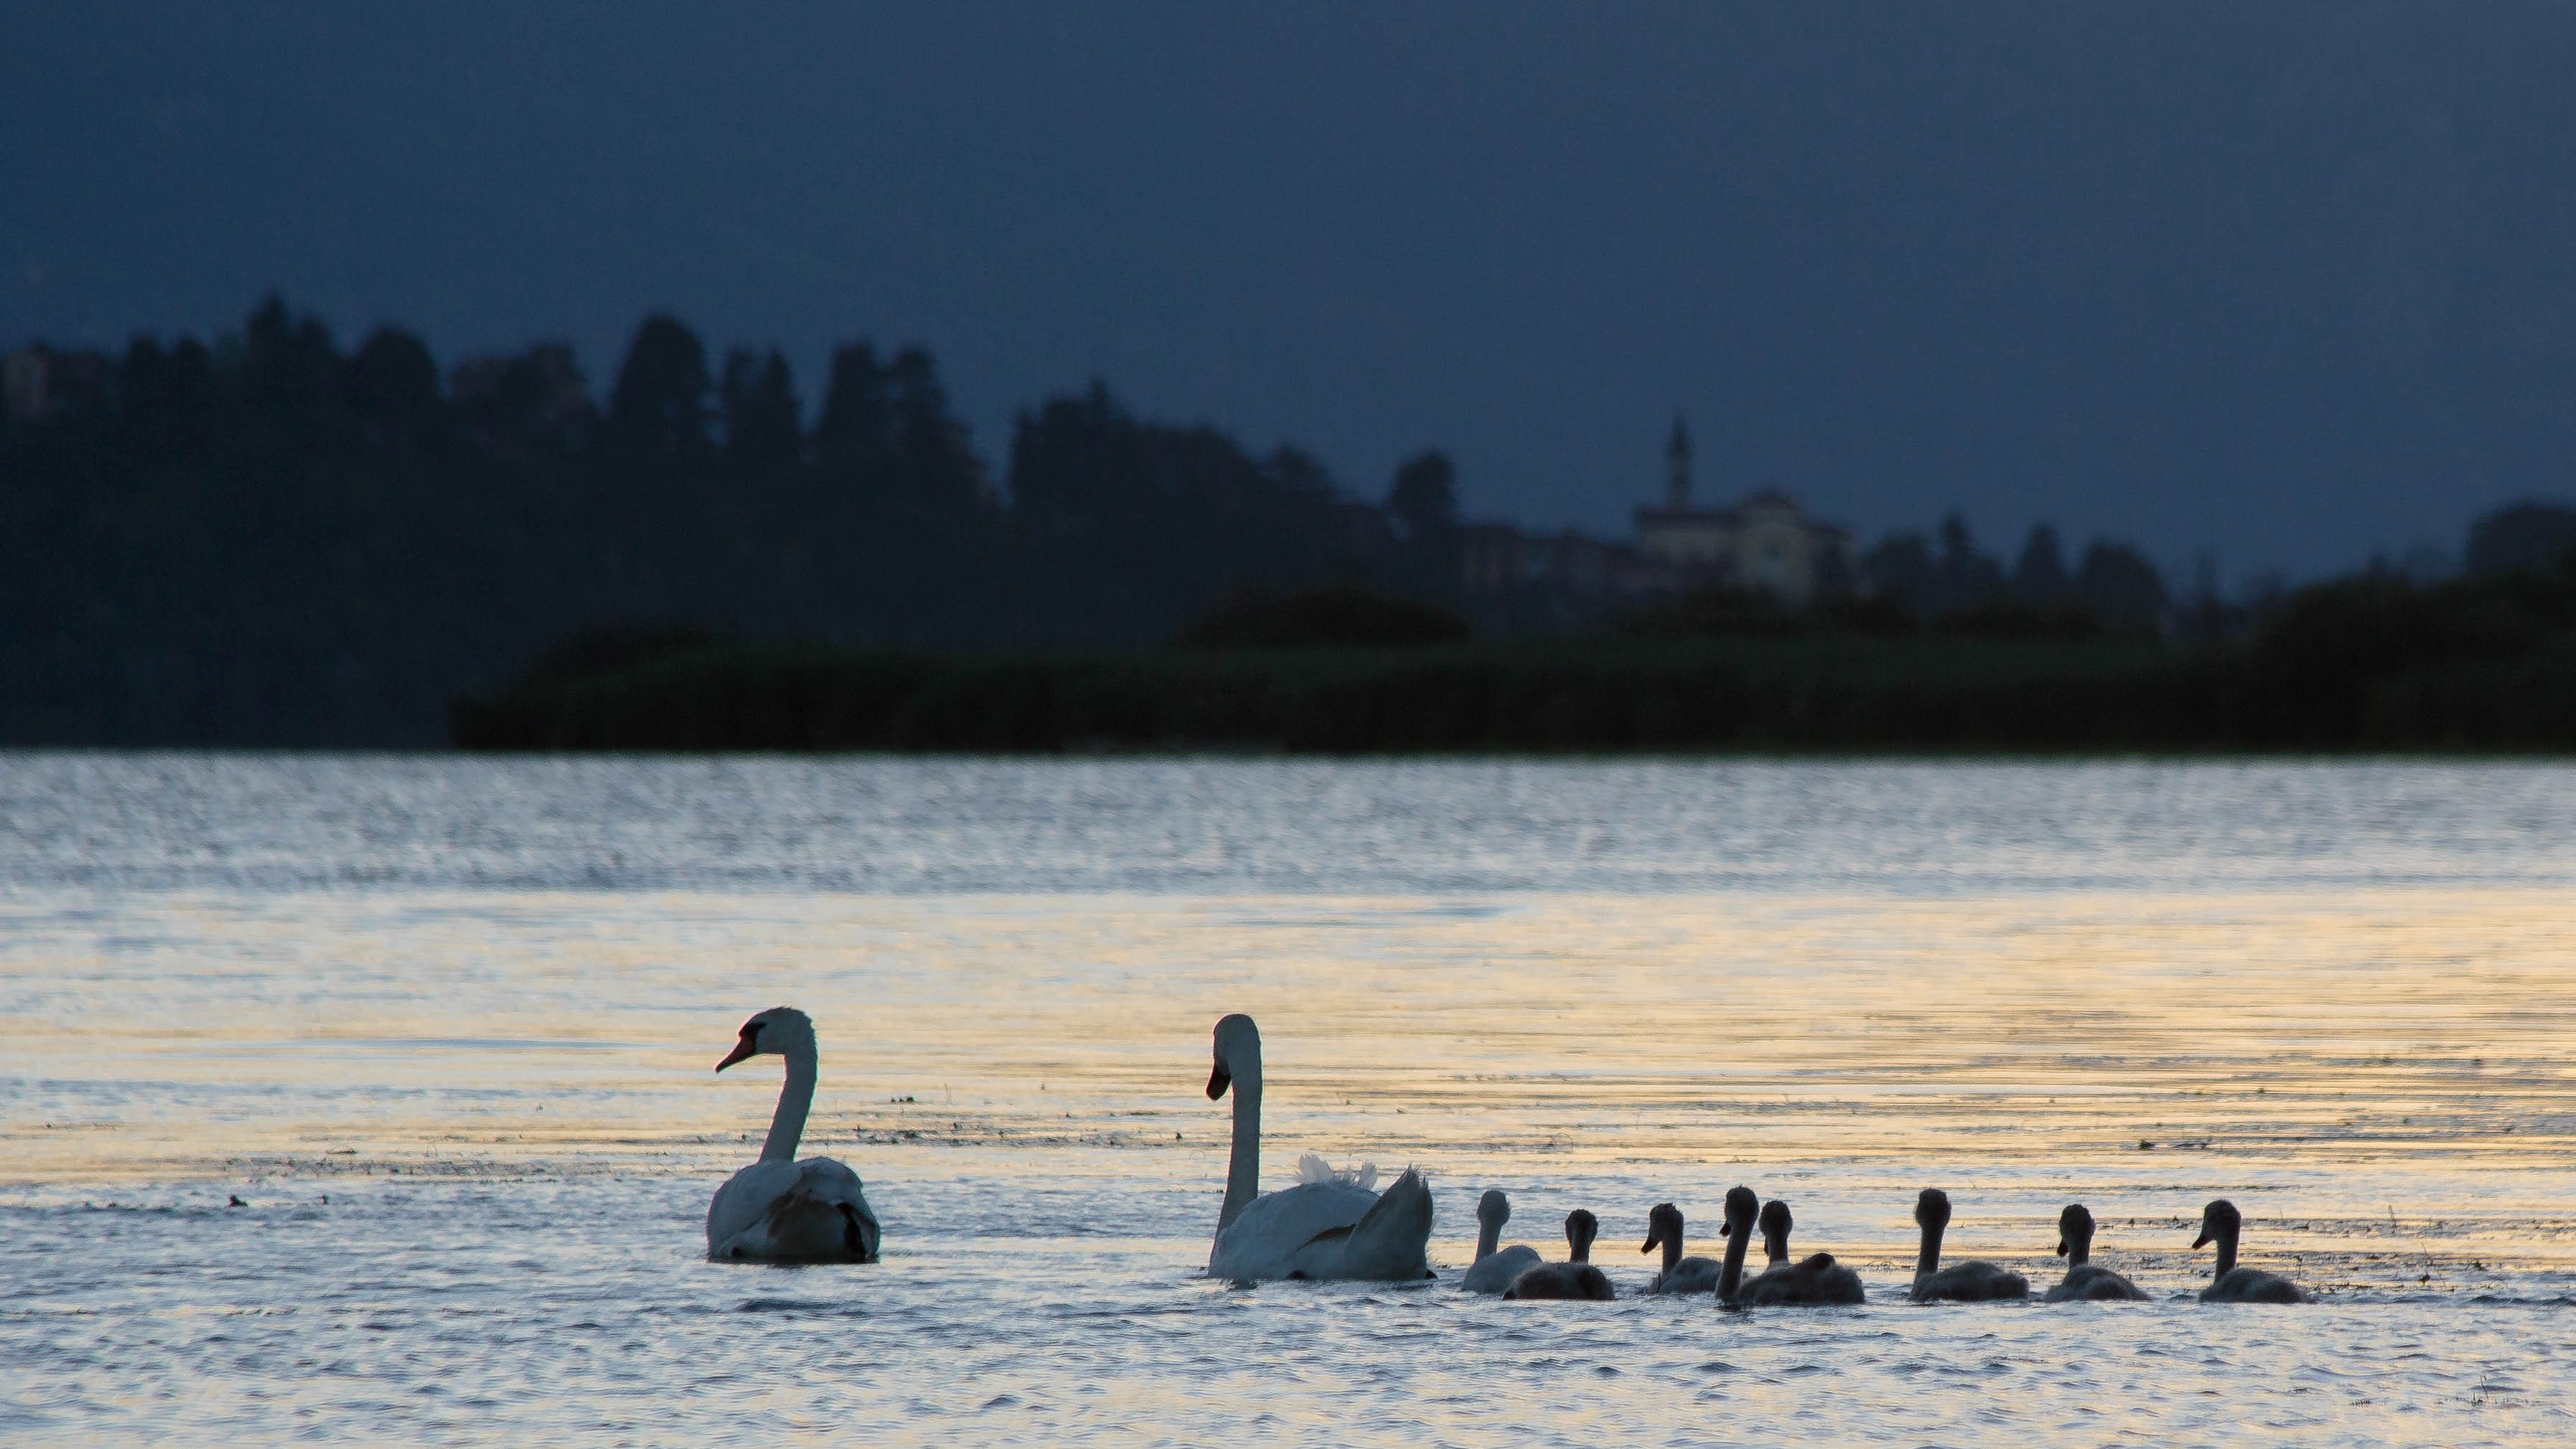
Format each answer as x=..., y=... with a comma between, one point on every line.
x=1765, y=542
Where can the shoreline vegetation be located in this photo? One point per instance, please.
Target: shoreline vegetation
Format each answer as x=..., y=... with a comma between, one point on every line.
x=2370, y=663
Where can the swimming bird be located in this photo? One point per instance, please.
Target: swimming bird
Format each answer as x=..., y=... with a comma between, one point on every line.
x=1494, y=1269
x=1974, y=1281
x=1330, y=1225
x=1679, y=1274
x=2085, y=1282
x=778, y=1209
x=2220, y=1222
x=1775, y=1233
x=1813, y=1281
x=1573, y=1278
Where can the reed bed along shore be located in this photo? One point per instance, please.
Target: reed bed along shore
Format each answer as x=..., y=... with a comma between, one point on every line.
x=1790, y=695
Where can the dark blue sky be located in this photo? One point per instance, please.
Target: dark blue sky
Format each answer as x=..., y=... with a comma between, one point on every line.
x=2282, y=282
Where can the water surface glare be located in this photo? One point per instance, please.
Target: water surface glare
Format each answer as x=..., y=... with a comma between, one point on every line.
x=445, y=1027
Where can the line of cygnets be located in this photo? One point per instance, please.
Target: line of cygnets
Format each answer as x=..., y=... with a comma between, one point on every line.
x=1336, y=1225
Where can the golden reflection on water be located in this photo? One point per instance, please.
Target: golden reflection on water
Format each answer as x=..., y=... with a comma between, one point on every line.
x=2412, y=1040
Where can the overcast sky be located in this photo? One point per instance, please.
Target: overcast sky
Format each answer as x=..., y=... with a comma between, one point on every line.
x=2278, y=282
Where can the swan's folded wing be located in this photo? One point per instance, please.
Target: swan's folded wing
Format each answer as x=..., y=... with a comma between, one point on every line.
x=1264, y=1238
x=1390, y=1241
x=831, y=1182
x=745, y=1198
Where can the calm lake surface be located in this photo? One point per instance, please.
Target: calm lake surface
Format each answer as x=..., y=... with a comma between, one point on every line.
x=445, y=1027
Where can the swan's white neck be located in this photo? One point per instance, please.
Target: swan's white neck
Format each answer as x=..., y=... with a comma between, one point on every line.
x=795, y=1099
x=1243, y=1172
x=1929, y=1260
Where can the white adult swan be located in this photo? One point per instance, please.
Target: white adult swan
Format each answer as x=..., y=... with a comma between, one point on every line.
x=2220, y=1223
x=1329, y=1226
x=778, y=1209
x=1974, y=1281
x=1575, y=1277
x=2085, y=1282
x=1495, y=1268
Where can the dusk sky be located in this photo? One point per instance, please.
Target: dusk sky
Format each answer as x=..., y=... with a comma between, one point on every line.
x=2283, y=283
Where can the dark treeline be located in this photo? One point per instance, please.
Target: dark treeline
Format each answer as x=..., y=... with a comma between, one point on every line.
x=273, y=540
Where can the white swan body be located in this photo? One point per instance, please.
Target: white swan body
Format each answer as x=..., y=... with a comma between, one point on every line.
x=1575, y=1278
x=2086, y=1283
x=1975, y=1281
x=1495, y=1268
x=780, y=1210
x=2220, y=1222
x=1330, y=1225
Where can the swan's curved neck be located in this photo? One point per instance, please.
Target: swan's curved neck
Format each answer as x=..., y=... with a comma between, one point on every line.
x=2226, y=1252
x=1672, y=1250
x=1775, y=1246
x=1929, y=1260
x=795, y=1099
x=1739, y=1239
x=2079, y=1249
x=1243, y=1171
x=1489, y=1233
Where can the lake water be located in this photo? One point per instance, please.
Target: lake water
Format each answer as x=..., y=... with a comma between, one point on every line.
x=445, y=1027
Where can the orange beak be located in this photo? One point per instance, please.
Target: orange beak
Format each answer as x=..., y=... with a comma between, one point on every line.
x=741, y=1049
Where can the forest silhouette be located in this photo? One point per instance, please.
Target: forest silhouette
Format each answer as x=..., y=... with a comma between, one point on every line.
x=271, y=541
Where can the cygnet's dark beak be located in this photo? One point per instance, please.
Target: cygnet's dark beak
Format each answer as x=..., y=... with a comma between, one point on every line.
x=2061, y=1247
x=1654, y=1238
x=741, y=1049
x=1218, y=1080
x=2206, y=1233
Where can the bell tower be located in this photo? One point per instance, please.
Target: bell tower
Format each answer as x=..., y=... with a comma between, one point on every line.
x=1677, y=465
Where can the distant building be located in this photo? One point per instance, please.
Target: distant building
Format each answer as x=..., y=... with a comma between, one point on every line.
x=1766, y=542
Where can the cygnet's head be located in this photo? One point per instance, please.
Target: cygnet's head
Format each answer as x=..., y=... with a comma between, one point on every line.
x=1238, y=1049
x=1663, y=1225
x=1581, y=1227
x=1932, y=1209
x=772, y=1031
x=2218, y=1220
x=1775, y=1231
x=2074, y=1229
x=1493, y=1209
x=1743, y=1206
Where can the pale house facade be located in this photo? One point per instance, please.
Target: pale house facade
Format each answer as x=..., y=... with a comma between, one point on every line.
x=1766, y=542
